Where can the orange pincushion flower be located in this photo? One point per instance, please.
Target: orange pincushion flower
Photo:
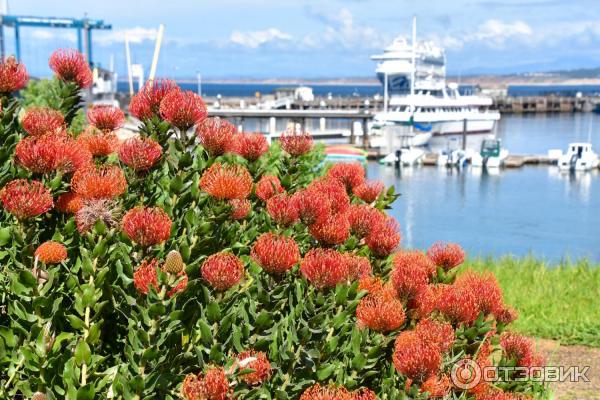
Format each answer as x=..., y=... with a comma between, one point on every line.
x=520, y=349
x=97, y=142
x=39, y=154
x=216, y=385
x=364, y=394
x=146, y=275
x=192, y=388
x=350, y=174
x=446, y=255
x=363, y=219
x=226, y=181
x=38, y=121
x=485, y=288
x=436, y=387
x=282, y=209
x=412, y=269
x=147, y=226
x=318, y=392
x=268, y=186
x=381, y=311
x=313, y=207
x=183, y=109
x=13, y=75
x=216, y=135
x=146, y=103
x=368, y=191
x=359, y=267
x=384, y=238
x=250, y=145
x=335, y=192
x=73, y=157
x=371, y=284
x=275, y=253
x=437, y=333
x=296, y=143
x=25, y=199
x=105, y=117
x=332, y=231
x=222, y=270
x=140, y=154
x=69, y=203
x=256, y=360
x=507, y=315
x=324, y=268
x=69, y=65
x=104, y=182
x=51, y=252
x=457, y=304
x=241, y=208
x=416, y=358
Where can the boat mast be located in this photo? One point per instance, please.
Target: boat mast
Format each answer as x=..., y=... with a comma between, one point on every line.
x=413, y=71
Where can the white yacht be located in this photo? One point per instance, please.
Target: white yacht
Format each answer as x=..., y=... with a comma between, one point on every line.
x=579, y=157
x=417, y=98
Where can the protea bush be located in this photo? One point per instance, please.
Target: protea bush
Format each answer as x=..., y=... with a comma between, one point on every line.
x=197, y=262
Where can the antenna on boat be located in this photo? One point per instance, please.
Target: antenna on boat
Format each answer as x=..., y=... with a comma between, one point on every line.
x=129, y=72
x=159, y=36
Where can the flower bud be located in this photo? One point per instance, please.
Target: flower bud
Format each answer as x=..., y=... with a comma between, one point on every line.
x=173, y=263
x=39, y=396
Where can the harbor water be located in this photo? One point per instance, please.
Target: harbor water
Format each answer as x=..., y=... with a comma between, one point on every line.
x=533, y=210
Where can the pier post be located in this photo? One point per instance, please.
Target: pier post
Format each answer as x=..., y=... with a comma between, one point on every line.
x=365, y=133
x=352, y=136
x=464, y=134
x=322, y=124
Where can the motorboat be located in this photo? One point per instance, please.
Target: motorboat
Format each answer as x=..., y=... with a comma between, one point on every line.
x=579, y=157
x=492, y=154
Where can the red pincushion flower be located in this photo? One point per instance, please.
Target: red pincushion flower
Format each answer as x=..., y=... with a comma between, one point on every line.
x=146, y=275
x=520, y=349
x=282, y=209
x=105, y=182
x=241, y=208
x=258, y=361
x=412, y=269
x=313, y=207
x=363, y=219
x=296, y=143
x=364, y=394
x=39, y=154
x=507, y=315
x=140, y=154
x=97, y=142
x=485, y=288
x=69, y=65
x=250, y=145
x=105, y=117
x=318, y=392
x=368, y=191
x=268, y=186
x=416, y=358
x=69, y=203
x=334, y=191
x=226, y=181
x=438, y=333
x=192, y=388
x=180, y=286
x=425, y=300
x=38, y=121
x=332, y=231
x=216, y=135
x=359, y=267
x=437, y=387
x=497, y=394
x=147, y=226
x=222, y=270
x=324, y=268
x=446, y=255
x=380, y=311
x=146, y=103
x=25, y=199
x=51, y=252
x=183, y=109
x=457, y=304
x=384, y=238
x=275, y=253
x=13, y=75
x=350, y=174
x=371, y=284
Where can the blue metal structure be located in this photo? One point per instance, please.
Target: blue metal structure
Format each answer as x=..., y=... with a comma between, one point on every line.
x=84, y=27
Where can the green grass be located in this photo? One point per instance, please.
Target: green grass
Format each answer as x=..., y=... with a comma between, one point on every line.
x=560, y=302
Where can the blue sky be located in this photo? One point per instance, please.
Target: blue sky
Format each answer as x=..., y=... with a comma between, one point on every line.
x=322, y=38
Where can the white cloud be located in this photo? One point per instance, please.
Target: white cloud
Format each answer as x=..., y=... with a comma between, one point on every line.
x=54, y=34
x=136, y=34
x=254, y=39
x=497, y=32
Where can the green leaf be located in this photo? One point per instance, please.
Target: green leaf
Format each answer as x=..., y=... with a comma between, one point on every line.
x=4, y=236
x=83, y=354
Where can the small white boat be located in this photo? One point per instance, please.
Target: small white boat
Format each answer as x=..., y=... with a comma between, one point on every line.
x=579, y=157
x=492, y=154
x=406, y=156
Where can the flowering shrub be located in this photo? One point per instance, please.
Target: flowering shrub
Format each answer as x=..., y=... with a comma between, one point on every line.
x=197, y=262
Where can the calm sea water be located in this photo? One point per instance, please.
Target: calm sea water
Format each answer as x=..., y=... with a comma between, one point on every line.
x=535, y=210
